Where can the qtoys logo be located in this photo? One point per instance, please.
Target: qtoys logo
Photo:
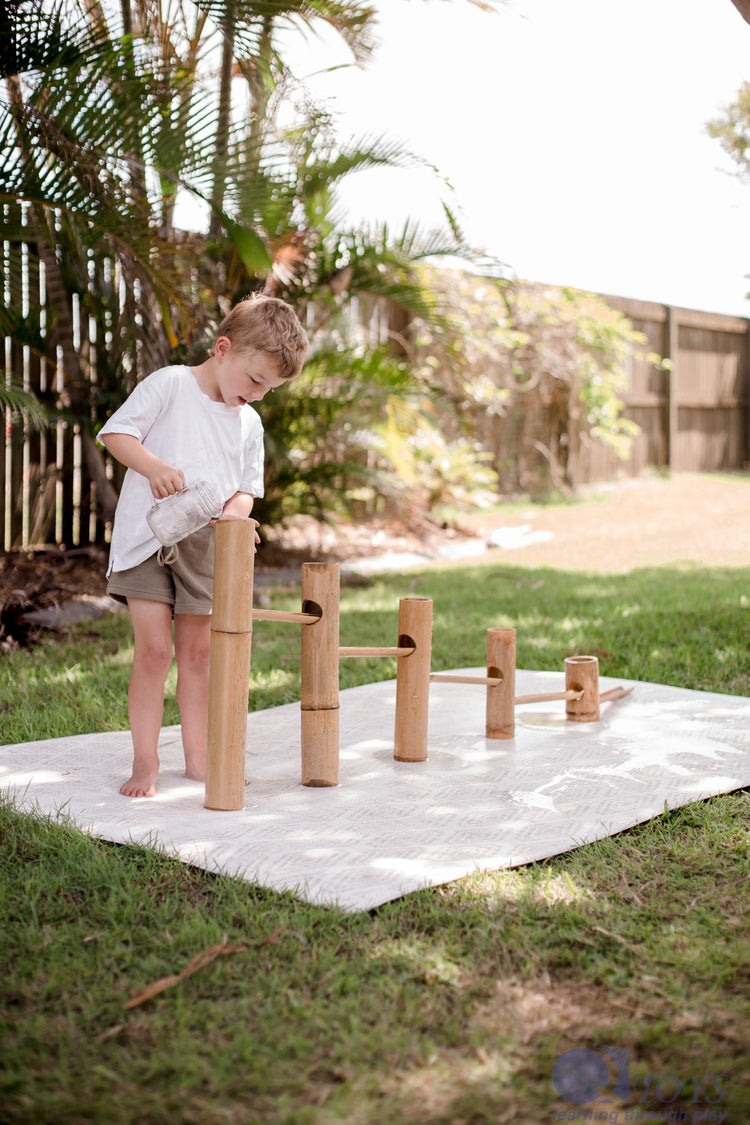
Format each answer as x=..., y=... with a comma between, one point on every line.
x=583, y=1076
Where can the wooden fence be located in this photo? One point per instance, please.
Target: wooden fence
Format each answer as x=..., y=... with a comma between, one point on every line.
x=46, y=496
x=694, y=417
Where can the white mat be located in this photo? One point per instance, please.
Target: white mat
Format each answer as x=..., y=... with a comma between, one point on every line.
x=390, y=828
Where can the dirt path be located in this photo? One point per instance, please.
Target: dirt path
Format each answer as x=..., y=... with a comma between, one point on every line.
x=703, y=519
x=652, y=521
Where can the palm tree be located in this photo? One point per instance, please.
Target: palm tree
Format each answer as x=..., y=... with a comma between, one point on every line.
x=108, y=116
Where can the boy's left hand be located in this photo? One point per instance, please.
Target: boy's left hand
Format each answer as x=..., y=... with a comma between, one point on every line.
x=239, y=507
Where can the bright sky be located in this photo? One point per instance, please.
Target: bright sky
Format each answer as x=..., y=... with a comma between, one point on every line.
x=572, y=133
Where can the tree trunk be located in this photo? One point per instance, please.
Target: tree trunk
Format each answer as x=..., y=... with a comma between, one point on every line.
x=743, y=7
x=221, y=150
x=258, y=82
x=189, y=65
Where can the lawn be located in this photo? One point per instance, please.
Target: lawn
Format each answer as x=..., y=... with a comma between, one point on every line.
x=449, y=1006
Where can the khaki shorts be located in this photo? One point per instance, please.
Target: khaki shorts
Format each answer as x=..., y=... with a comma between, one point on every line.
x=186, y=582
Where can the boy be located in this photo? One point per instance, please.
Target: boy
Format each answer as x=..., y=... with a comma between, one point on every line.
x=180, y=425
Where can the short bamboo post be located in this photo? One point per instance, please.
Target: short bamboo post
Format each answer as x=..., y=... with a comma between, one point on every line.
x=413, y=680
x=319, y=689
x=229, y=672
x=582, y=675
x=501, y=664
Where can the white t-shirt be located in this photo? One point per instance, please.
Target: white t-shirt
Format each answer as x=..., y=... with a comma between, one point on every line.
x=172, y=417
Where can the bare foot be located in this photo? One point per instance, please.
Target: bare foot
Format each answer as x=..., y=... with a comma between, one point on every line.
x=142, y=783
x=196, y=773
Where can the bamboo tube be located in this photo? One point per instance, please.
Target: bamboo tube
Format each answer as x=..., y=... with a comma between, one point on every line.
x=229, y=670
x=284, y=615
x=413, y=680
x=227, y=721
x=614, y=693
x=319, y=692
x=501, y=665
x=547, y=696
x=446, y=678
x=356, y=650
x=582, y=675
x=319, y=734
x=234, y=562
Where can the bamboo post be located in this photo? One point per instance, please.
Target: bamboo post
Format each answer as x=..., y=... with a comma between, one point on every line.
x=319, y=690
x=229, y=671
x=501, y=665
x=582, y=675
x=413, y=680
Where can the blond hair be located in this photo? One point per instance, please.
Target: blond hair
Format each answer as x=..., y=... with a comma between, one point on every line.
x=270, y=325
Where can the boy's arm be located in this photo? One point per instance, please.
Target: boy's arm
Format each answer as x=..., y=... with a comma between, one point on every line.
x=164, y=479
x=239, y=506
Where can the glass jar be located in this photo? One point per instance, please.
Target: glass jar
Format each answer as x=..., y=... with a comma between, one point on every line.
x=179, y=515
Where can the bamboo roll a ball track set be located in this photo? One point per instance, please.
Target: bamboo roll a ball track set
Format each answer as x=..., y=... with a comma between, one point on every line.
x=231, y=644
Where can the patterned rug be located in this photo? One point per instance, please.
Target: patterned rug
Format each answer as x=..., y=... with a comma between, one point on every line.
x=390, y=828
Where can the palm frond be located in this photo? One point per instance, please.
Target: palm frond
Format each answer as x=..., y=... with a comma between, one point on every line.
x=351, y=19
x=23, y=404
x=36, y=36
x=354, y=22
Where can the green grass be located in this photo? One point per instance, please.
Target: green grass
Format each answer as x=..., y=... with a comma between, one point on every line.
x=449, y=1006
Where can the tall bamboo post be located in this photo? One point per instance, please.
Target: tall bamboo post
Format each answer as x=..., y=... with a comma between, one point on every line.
x=230, y=654
x=501, y=664
x=582, y=675
x=413, y=679
x=319, y=689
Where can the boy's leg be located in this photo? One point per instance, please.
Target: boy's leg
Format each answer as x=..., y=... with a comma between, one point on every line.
x=192, y=637
x=152, y=632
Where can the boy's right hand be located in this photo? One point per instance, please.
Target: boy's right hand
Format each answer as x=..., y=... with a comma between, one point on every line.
x=165, y=480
